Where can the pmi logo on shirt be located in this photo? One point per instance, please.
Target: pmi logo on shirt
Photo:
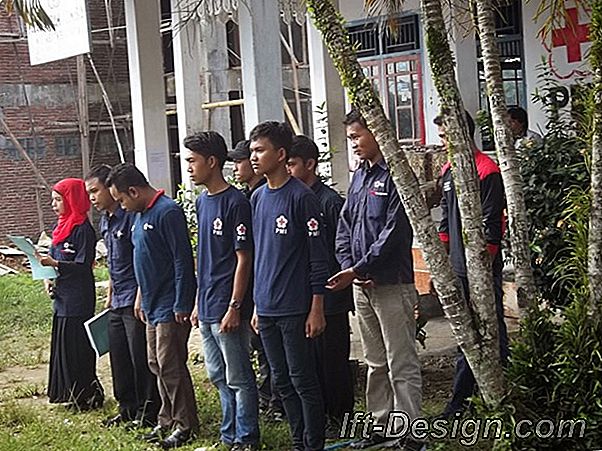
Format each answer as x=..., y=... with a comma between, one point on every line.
x=148, y=226
x=241, y=232
x=281, y=225
x=68, y=248
x=217, y=227
x=377, y=189
x=313, y=227
x=447, y=186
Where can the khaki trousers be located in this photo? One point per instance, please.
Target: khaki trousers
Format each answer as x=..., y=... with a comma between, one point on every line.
x=388, y=333
x=167, y=355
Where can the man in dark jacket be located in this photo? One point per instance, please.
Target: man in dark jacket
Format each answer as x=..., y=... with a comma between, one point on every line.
x=450, y=232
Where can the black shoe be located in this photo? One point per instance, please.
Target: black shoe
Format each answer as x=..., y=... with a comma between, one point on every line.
x=375, y=439
x=113, y=421
x=176, y=439
x=154, y=436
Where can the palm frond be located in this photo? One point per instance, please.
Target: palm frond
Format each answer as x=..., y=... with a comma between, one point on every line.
x=30, y=11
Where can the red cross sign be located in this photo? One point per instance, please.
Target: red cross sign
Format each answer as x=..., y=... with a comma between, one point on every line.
x=572, y=36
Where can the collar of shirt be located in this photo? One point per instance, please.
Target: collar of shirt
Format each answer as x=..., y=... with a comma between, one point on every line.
x=117, y=214
x=381, y=164
x=155, y=199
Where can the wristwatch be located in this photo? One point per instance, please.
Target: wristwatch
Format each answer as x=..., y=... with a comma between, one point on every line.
x=235, y=304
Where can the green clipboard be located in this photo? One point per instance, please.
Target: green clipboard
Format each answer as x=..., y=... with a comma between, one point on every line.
x=97, y=329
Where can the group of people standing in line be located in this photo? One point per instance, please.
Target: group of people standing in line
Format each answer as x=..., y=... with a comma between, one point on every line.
x=279, y=266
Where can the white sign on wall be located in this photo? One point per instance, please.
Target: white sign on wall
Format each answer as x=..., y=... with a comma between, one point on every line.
x=70, y=37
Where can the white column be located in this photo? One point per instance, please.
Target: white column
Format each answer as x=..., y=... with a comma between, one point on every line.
x=465, y=54
x=259, y=23
x=328, y=107
x=532, y=57
x=187, y=72
x=145, y=57
x=215, y=77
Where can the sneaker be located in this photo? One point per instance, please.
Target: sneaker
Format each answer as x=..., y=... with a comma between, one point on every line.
x=156, y=435
x=176, y=439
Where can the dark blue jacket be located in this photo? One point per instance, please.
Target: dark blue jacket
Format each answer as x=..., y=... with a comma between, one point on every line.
x=116, y=230
x=163, y=261
x=331, y=204
x=374, y=236
x=74, y=292
x=290, y=251
x=493, y=204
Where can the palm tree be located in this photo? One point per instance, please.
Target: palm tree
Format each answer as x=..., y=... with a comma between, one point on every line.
x=509, y=164
x=595, y=225
x=474, y=327
x=31, y=11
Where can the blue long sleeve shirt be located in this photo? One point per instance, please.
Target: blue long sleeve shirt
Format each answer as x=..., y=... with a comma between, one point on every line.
x=163, y=261
x=374, y=236
x=290, y=252
x=224, y=224
x=116, y=230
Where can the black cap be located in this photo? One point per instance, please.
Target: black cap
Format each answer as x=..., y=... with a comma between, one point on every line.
x=242, y=151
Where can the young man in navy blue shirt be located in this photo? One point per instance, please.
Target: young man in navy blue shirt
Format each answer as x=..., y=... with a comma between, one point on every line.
x=450, y=232
x=164, y=270
x=333, y=346
x=225, y=259
x=134, y=386
x=290, y=273
x=374, y=248
x=269, y=401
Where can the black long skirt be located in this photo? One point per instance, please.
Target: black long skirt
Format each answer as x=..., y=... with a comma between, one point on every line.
x=72, y=373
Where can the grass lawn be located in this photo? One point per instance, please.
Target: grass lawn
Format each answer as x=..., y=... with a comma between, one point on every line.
x=28, y=422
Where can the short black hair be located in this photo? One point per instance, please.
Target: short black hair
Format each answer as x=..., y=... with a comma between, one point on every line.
x=126, y=176
x=469, y=120
x=280, y=134
x=208, y=144
x=519, y=115
x=100, y=172
x=354, y=116
x=304, y=148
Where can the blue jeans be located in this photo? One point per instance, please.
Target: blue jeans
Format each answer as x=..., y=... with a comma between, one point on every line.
x=291, y=359
x=229, y=369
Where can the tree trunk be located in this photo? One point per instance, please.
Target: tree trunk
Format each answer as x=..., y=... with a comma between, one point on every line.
x=594, y=264
x=461, y=155
x=509, y=165
x=482, y=351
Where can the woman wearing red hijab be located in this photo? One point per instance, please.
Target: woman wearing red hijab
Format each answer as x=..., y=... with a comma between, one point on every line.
x=72, y=375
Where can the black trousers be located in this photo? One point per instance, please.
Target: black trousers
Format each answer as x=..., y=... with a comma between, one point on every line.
x=134, y=386
x=332, y=350
x=464, y=380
